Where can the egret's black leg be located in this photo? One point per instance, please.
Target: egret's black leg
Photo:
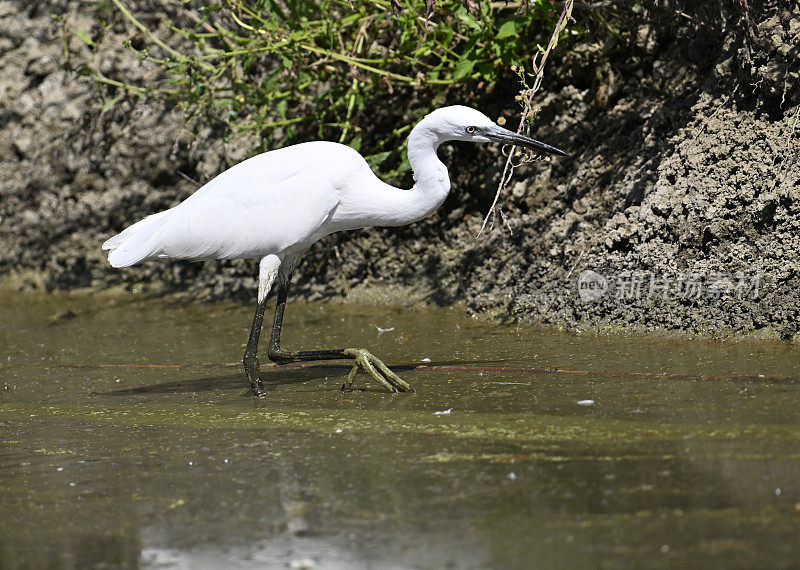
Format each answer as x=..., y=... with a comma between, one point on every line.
x=250, y=359
x=279, y=356
x=364, y=359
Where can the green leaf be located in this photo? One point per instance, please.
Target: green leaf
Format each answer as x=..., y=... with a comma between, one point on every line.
x=84, y=37
x=463, y=69
x=375, y=160
x=281, y=108
x=508, y=29
x=404, y=167
x=486, y=69
x=110, y=103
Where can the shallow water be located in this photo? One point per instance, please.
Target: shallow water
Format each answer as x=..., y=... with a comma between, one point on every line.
x=129, y=438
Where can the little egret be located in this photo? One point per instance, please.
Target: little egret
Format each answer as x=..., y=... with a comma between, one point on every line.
x=274, y=206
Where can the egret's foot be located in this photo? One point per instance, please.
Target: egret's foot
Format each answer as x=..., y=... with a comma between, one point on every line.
x=251, y=370
x=375, y=368
x=258, y=390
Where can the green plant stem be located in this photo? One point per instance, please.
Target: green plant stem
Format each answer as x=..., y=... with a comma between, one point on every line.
x=396, y=76
x=258, y=126
x=148, y=33
x=100, y=78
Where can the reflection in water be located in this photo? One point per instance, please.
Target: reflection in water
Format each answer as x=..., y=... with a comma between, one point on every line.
x=330, y=553
x=180, y=468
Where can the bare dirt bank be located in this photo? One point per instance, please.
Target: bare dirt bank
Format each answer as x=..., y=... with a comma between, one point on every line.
x=680, y=211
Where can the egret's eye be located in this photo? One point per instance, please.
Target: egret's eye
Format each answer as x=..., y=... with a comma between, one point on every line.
x=470, y=130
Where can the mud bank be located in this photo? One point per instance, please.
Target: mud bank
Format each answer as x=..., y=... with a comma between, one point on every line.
x=679, y=213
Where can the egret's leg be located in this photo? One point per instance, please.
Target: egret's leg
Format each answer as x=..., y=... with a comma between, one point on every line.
x=364, y=359
x=250, y=359
x=279, y=356
x=267, y=271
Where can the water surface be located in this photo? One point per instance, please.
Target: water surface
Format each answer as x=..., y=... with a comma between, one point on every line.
x=129, y=438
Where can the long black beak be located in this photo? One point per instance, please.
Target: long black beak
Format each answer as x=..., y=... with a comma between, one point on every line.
x=501, y=135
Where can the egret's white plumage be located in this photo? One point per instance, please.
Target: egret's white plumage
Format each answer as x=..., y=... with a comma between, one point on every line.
x=282, y=201
x=274, y=206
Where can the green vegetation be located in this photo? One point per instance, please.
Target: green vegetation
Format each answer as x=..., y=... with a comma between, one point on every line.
x=322, y=69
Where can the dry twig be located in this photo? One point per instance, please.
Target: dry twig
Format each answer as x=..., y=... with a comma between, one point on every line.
x=529, y=111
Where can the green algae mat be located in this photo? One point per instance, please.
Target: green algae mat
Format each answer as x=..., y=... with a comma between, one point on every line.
x=129, y=438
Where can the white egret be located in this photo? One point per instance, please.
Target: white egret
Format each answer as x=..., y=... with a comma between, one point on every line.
x=274, y=206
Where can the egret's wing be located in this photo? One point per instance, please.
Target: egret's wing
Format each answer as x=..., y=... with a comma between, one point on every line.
x=263, y=171
x=251, y=222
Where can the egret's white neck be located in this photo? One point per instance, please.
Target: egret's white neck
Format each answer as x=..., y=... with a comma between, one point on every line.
x=431, y=181
x=375, y=203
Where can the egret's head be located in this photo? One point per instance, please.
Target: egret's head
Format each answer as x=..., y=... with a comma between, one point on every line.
x=465, y=124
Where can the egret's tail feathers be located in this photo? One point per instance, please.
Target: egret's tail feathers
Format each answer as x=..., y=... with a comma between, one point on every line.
x=137, y=242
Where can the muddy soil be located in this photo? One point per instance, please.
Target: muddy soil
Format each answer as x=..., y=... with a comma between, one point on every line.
x=678, y=213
